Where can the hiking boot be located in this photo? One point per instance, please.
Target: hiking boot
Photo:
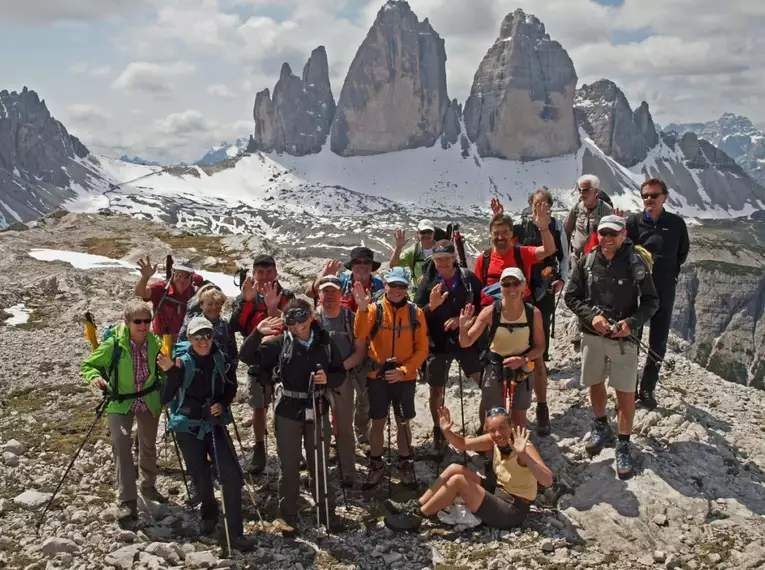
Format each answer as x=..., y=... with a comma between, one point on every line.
x=375, y=474
x=403, y=523
x=439, y=442
x=207, y=526
x=151, y=494
x=624, y=464
x=410, y=507
x=128, y=510
x=258, y=459
x=406, y=473
x=646, y=399
x=241, y=543
x=543, y=419
x=600, y=436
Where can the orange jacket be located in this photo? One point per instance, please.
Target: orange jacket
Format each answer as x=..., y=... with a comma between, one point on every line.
x=411, y=350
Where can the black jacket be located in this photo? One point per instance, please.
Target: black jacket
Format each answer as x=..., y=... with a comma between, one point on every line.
x=666, y=239
x=297, y=370
x=613, y=290
x=199, y=396
x=442, y=342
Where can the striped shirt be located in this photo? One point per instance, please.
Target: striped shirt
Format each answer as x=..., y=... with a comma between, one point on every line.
x=140, y=357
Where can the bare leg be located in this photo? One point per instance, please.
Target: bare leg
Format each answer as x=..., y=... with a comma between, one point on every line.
x=540, y=380
x=259, y=424
x=436, y=401
x=518, y=417
x=626, y=411
x=598, y=399
x=377, y=437
x=457, y=486
x=403, y=435
x=452, y=470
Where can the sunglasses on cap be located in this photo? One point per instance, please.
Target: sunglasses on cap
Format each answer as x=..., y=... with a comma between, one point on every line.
x=653, y=195
x=510, y=283
x=202, y=336
x=500, y=411
x=608, y=233
x=296, y=316
x=142, y=321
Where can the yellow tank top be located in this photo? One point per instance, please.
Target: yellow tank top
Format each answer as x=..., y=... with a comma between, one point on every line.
x=513, y=478
x=511, y=343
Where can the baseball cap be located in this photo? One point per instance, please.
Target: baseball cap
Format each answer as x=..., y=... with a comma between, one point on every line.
x=263, y=259
x=397, y=275
x=329, y=281
x=198, y=324
x=513, y=272
x=426, y=226
x=184, y=266
x=615, y=223
x=443, y=248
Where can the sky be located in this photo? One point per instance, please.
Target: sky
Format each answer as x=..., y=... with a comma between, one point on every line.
x=167, y=79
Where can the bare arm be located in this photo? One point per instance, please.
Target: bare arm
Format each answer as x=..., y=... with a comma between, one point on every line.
x=141, y=289
x=539, y=337
x=468, y=336
x=477, y=444
x=357, y=356
x=531, y=459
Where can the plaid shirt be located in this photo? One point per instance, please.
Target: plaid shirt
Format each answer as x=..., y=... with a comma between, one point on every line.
x=140, y=371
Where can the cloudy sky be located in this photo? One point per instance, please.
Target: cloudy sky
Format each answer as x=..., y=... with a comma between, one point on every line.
x=166, y=79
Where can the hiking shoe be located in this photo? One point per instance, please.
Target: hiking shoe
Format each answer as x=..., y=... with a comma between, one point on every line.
x=258, y=458
x=207, y=526
x=241, y=543
x=375, y=474
x=646, y=399
x=410, y=507
x=624, y=464
x=406, y=473
x=128, y=510
x=543, y=420
x=151, y=494
x=439, y=442
x=600, y=436
x=403, y=523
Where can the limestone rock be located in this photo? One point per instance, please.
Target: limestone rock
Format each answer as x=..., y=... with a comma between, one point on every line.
x=644, y=122
x=15, y=447
x=31, y=499
x=54, y=545
x=452, y=127
x=123, y=558
x=521, y=103
x=394, y=96
x=205, y=559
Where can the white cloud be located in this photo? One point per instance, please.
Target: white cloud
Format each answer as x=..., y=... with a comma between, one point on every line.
x=151, y=78
x=87, y=113
x=91, y=70
x=41, y=12
x=220, y=90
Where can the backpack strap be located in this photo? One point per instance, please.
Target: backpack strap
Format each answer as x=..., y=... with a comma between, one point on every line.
x=588, y=262
x=347, y=322
x=378, y=320
x=466, y=282
x=519, y=258
x=285, y=354
x=530, y=320
x=112, y=373
x=496, y=317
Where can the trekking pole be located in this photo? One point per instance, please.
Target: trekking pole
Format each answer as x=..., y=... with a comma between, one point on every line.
x=462, y=413
x=405, y=425
x=337, y=448
x=222, y=490
x=325, y=471
x=248, y=481
x=180, y=463
x=390, y=462
x=555, y=312
x=317, y=500
x=99, y=412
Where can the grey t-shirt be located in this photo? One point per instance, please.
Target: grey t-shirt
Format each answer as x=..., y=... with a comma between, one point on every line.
x=340, y=329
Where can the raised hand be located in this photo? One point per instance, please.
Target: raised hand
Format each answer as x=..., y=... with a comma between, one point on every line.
x=361, y=296
x=164, y=361
x=496, y=206
x=467, y=316
x=541, y=215
x=444, y=419
x=270, y=326
x=437, y=296
x=146, y=268
x=332, y=267
x=249, y=292
x=400, y=240
x=618, y=212
x=272, y=296
x=520, y=439
x=452, y=324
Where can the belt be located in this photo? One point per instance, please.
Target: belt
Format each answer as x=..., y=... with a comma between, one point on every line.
x=296, y=395
x=521, y=499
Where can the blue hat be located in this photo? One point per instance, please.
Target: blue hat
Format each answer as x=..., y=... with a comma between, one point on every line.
x=397, y=275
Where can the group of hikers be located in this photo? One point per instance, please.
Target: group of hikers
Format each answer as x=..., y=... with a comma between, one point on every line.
x=336, y=359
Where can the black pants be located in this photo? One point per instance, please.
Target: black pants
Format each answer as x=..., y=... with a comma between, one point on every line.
x=658, y=334
x=546, y=306
x=195, y=452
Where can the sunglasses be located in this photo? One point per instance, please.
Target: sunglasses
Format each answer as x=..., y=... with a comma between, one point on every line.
x=512, y=283
x=296, y=317
x=427, y=233
x=142, y=321
x=202, y=336
x=398, y=285
x=608, y=233
x=362, y=262
x=181, y=275
x=651, y=196
x=496, y=412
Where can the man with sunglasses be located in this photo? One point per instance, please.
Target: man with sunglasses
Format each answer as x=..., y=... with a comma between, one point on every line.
x=168, y=300
x=613, y=294
x=665, y=235
x=584, y=216
x=414, y=257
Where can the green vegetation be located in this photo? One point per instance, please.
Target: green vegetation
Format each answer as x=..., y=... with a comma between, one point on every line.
x=726, y=268
x=198, y=247
x=113, y=247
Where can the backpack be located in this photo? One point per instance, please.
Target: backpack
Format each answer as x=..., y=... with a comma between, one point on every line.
x=641, y=264
x=606, y=198
x=496, y=317
x=413, y=322
x=347, y=327
x=178, y=422
x=112, y=375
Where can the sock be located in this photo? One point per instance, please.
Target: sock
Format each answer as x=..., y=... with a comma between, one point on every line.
x=624, y=437
x=602, y=420
x=541, y=404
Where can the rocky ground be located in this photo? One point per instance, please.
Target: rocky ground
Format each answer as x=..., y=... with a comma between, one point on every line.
x=696, y=501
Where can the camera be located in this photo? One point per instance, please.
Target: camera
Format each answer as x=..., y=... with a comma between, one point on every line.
x=389, y=364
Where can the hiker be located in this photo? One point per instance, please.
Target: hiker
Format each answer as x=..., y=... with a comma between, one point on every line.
x=125, y=366
x=398, y=345
x=360, y=268
x=338, y=321
x=168, y=299
x=414, y=257
x=303, y=361
x=501, y=502
x=665, y=235
x=210, y=299
x=201, y=386
x=613, y=294
x=583, y=218
x=262, y=296
x=444, y=290
x=506, y=252
x=547, y=280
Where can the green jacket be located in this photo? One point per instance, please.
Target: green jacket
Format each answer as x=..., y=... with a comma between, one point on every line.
x=413, y=258
x=101, y=359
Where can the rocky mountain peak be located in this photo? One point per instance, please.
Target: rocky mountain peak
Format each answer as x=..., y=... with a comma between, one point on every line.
x=521, y=102
x=646, y=126
x=394, y=96
x=298, y=118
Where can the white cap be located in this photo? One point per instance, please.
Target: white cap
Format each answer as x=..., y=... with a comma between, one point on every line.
x=615, y=223
x=426, y=226
x=513, y=272
x=199, y=324
x=183, y=266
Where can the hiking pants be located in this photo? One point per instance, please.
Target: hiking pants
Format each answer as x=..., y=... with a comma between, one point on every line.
x=342, y=399
x=546, y=306
x=357, y=378
x=121, y=428
x=290, y=434
x=195, y=452
x=658, y=334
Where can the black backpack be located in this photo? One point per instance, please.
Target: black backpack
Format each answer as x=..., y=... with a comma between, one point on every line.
x=496, y=317
x=487, y=258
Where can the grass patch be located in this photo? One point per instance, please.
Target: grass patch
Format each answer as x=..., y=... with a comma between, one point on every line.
x=4, y=316
x=112, y=247
x=198, y=247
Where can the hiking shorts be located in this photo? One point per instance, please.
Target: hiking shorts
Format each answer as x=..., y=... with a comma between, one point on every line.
x=260, y=395
x=382, y=394
x=500, y=509
x=493, y=393
x=437, y=365
x=602, y=357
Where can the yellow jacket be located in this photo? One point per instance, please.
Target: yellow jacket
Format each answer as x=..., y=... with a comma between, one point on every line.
x=411, y=347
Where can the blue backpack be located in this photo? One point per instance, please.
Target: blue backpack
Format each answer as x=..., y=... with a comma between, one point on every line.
x=179, y=422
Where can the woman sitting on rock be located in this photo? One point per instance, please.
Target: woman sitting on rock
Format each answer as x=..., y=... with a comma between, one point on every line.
x=517, y=466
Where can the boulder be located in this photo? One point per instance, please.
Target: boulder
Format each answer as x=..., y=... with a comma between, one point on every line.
x=205, y=559
x=31, y=499
x=15, y=447
x=123, y=558
x=54, y=545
